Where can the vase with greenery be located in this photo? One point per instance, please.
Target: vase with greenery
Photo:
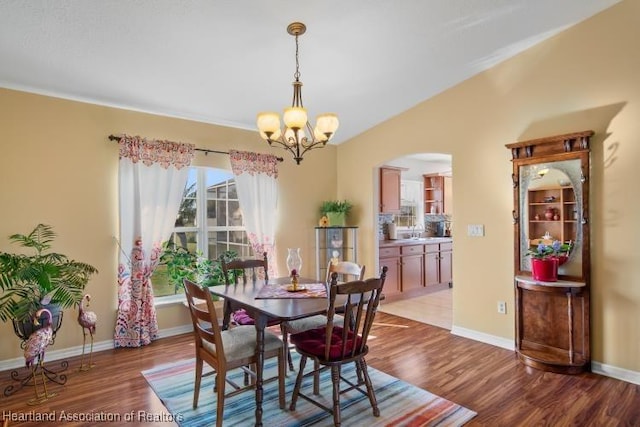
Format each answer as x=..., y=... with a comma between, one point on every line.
x=43, y=278
x=336, y=211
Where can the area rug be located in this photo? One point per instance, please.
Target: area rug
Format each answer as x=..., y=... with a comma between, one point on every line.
x=400, y=403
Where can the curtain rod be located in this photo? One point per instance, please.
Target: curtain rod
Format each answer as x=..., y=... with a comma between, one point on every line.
x=204, y=150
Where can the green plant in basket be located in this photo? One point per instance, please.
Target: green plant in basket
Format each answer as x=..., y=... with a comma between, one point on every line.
x=339, y=206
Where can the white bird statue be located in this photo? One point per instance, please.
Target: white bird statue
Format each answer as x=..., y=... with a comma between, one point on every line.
x=34, y=348
x=86, y=319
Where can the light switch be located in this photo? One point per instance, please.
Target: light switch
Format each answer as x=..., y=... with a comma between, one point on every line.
x=475, y=230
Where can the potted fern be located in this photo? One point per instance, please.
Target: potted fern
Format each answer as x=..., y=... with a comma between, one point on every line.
x=336, y=211
x=32, y=281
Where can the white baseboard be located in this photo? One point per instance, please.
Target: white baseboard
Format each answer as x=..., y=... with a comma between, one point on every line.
x=596, y=367
x=482, y=337
x=68, y=352
x=615, y=372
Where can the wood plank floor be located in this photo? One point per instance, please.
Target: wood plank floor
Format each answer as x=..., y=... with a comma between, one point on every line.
x=484, y=378
x=433, y=308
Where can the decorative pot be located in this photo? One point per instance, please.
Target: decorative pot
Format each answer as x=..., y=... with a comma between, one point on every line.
x=23, y=329
x=336, y=219
x=549, y=213
x=545, y=270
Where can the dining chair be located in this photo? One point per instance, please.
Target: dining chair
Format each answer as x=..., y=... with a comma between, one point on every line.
x=241, y=270
x=225, y=350
x=346, y=271
x=331, y=346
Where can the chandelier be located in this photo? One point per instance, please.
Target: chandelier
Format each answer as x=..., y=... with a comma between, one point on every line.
x=297, y=135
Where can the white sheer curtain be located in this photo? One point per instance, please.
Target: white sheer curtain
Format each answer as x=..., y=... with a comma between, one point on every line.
x=256, y=177
x=152, y=176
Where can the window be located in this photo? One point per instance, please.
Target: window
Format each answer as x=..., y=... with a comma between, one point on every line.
x=411, y=205
x=209, y=223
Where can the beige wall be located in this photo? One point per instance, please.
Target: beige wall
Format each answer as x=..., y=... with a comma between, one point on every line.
x=588, y=77
x=58, y=167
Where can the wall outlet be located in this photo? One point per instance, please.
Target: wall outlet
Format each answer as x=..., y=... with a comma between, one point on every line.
x=502, y=307
x=475, y=230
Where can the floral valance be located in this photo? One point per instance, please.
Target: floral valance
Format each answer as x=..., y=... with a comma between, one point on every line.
x=164, y=153
x=253, y=163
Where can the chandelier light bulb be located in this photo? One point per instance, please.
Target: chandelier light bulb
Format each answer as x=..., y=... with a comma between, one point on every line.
x=295, y=117
x=268, y=122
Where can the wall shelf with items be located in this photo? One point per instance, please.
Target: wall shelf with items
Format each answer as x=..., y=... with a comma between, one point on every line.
x=433, y=194
x=335, y=243
x=551, y=215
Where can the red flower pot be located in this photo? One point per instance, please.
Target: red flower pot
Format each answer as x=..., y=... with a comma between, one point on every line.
x=545, y=270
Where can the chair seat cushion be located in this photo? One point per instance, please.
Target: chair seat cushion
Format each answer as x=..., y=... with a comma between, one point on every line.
x=241, y=317
x=240, y=342
x=311, y=322
x=313, y=342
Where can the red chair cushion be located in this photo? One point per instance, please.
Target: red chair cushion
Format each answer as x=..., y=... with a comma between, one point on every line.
x=241, y=317
x=313, y=342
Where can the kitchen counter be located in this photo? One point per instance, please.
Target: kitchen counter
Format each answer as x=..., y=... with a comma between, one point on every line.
x=416, y=241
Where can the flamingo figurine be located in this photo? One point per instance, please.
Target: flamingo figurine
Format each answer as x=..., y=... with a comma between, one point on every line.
x=35, y=347
x=86, y=319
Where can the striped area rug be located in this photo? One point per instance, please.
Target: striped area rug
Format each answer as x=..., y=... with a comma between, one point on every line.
x=400, y=403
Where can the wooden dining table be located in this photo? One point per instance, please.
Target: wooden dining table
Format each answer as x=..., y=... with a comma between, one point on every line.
x=263, y=310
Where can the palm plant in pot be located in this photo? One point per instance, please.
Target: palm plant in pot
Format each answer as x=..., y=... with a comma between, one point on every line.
x=41, y=279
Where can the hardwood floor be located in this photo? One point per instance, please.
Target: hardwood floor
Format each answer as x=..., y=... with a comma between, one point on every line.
x=484, y=378
x=434, y=308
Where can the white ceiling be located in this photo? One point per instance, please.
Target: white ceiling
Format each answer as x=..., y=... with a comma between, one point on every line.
x=222, y=61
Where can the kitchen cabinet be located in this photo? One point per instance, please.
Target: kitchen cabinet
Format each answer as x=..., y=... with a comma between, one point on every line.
x=340, y=243
x=416, y=269
x=446, y=264
x=390, y=257
x=411, y=267
x=390, y=190
x=437, y=264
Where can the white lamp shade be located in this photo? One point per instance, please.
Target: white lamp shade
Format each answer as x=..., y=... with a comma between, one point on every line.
x=319, y=136
x=273, y=136
x=327, y=123
x=268, y=122
x=295, y=117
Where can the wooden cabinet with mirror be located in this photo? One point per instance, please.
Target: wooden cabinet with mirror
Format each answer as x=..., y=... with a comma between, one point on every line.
x=551, y=203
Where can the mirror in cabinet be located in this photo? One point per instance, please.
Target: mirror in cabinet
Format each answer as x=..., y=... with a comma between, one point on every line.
x=551, y=206
x=551, y=203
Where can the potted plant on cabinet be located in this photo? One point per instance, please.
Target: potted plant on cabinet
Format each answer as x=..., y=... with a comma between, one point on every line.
x=32, y=281
x=336, y=211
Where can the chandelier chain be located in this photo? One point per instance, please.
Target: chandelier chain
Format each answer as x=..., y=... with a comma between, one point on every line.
x=297, y=73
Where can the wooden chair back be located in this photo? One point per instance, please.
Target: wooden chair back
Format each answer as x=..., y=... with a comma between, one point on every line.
x=204, y=319
x=346, y=270
x=251, y=268
x=358, y=310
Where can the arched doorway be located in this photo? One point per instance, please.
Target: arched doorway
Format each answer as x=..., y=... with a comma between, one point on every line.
x=416, y=220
